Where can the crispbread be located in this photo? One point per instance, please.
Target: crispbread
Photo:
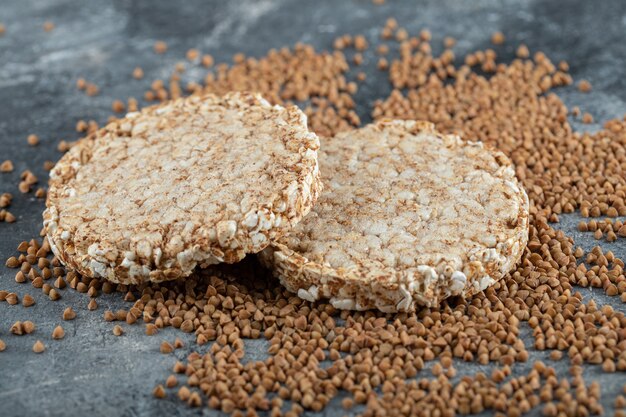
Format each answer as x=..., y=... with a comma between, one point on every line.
x=408, y=217
x=193, y=181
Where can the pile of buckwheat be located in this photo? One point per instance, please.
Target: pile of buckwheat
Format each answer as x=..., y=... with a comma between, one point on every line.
x=399, y=364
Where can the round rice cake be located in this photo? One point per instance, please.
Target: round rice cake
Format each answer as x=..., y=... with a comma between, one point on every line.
x=193, y=181
x=408, y=217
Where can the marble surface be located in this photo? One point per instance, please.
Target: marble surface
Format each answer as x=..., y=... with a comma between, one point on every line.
x=91, y=372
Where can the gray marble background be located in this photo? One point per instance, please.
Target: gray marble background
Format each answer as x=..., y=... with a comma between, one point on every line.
x=91, y=372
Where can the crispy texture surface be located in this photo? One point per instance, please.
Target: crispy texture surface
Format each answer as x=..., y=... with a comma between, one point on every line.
x=408, y=217
x=194, y=181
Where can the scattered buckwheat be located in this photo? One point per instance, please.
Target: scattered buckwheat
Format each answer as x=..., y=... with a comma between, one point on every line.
x=207, y=61
x=118, y=106
x=39, y=347
x=138, y=73
x=118, y=330
x=160, y=47
x=497, y=38
x=6, y=166
x=28, y=327
x=91, y=89
x=69, y=314
x=584, y=86
x=159, y=391
x=171, y=381
x=522, y=51
x=192, y=54
x=28, y=300
x=32, y=140
x=58, y=333
x=166, y=347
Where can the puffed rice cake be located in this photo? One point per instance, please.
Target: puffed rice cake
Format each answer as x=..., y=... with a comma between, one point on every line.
x=408, y=217
x=193, y=181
